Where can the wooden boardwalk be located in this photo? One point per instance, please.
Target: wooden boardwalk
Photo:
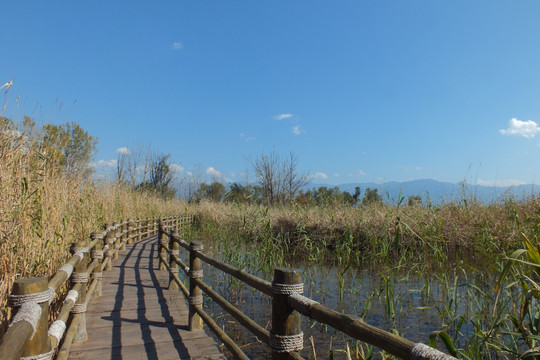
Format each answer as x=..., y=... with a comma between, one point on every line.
x=137, y=317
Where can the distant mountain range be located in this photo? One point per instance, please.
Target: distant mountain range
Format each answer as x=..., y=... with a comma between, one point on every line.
x=439, y=192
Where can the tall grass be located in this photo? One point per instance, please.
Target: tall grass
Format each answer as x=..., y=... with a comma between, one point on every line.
x=473, y=267
x=43, y=210
x=442, y=234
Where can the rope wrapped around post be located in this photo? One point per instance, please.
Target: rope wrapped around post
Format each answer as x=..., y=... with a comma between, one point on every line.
x=286, y=335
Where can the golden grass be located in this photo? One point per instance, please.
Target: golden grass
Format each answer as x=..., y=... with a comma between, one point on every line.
x=43, y=211
x=454, y=228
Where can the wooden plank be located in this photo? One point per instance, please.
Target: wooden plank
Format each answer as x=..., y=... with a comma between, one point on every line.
x=137, y=317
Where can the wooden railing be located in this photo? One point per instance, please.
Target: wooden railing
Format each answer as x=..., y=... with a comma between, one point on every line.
x=30, y=336
x=288, y=304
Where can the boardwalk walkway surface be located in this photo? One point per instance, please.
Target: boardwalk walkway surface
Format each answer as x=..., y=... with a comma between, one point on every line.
x=137, y=317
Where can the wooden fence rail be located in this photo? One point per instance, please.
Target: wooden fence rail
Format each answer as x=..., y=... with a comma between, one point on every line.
x=288, y=304
x=31, y=337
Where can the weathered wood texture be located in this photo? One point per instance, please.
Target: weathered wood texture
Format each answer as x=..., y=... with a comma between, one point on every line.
x=137, y=317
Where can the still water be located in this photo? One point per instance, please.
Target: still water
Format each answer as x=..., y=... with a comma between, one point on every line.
x=410, y=303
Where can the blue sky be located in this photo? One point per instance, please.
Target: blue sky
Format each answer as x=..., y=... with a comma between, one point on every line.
x=359, y=91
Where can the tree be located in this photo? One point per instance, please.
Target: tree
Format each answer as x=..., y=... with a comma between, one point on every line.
x=160, y=177
x=238, y=194
x=279, y=178
x=371, y=197
x=68, y=147
x=213, y=192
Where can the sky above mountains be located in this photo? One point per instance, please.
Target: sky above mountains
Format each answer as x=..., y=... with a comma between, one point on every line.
x=360, y=91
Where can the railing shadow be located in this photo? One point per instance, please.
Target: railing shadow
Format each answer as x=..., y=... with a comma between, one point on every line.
x=136, y=252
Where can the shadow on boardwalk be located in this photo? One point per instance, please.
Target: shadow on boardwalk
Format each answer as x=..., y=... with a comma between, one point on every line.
x=138, y=318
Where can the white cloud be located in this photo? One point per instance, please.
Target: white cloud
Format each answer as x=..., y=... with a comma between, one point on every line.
x=123, y=151
x=336, y=175
x=320, y=175
x=283, y=116
x=177, y=45
x=527, y=129
x=361, y=173
x=297, y=130
x=247, y=138
x=104, y=164
x=213, y=172
x=177, y=167
x=501, y=183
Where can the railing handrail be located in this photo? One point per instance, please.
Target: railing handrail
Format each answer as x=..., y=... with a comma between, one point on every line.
x=350, y=325
x=29, y=333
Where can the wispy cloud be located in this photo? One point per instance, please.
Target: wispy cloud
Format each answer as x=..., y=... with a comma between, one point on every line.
x=104, y=164
x=320, y=175
x=247, y=138
x=213, y=172
x=361, y=173
x=178, y=168
x=123, y=151
x=283, y=116
x=177, y=45
x=501, y=183
x=297, y=130
x=528, y=129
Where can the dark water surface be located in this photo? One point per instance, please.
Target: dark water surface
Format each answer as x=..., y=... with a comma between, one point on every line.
x=412, y=304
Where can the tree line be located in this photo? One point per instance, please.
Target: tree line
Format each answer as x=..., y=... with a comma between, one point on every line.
x=70, y=149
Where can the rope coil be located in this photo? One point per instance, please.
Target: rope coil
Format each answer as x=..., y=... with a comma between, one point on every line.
x=287, y=289
x=196, y=274
x=164, y=242
x=98, y=275
x=29, y=312
x=287, y=343
x=196, y=300
x=175, y=253
x=57, y=329
x=423, y=352
x=46, y=356
x=79, y=277
x=195, y=247
x=84, y=249
x=67, y=269
x=97, y=254
x=40, y=297
x=78, y=308
x=72, y=295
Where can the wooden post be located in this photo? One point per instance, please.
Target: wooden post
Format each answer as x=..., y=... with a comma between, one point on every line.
x=78, y=276
x=39, y=344
x=97, y=253
x=123, y=235
x=109, y=240
x=286, y=335
x=130, y=231
x=175, y=251
x=163, y=243
x=195, y=293
x=116, y=239
x=138, y=230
